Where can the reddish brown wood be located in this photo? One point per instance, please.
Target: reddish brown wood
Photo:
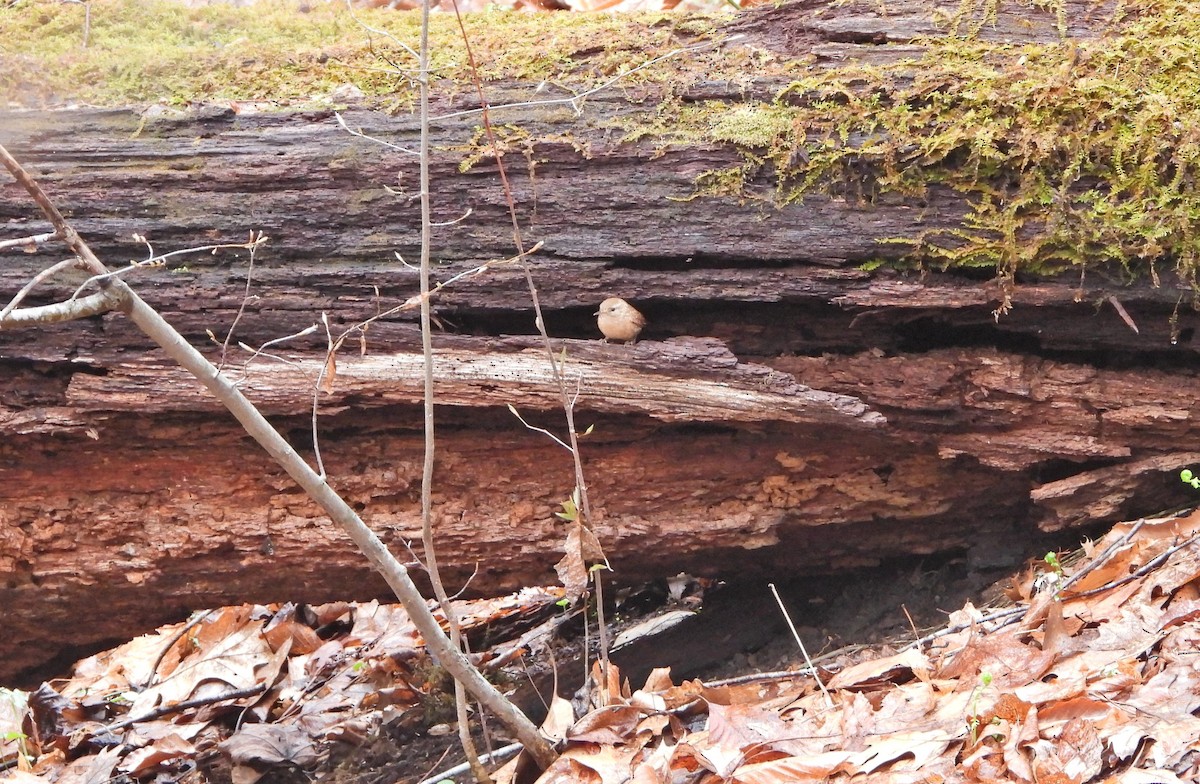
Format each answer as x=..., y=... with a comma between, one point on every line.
x=784, y=411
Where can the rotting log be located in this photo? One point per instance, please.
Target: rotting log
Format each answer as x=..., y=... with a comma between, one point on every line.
x=786, y=409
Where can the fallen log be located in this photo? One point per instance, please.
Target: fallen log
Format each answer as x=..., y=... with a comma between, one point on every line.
x=792, y=405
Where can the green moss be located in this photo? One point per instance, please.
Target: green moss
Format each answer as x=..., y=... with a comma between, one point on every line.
x=1066, y=153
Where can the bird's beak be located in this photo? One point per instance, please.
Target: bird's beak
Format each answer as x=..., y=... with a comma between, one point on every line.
x=597, y=313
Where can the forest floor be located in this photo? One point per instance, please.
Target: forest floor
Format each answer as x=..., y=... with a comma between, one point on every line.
x=928, y=667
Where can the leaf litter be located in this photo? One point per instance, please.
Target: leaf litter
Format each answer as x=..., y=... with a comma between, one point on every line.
x=1092, y=674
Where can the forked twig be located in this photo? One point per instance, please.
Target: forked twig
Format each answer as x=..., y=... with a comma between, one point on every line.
x=161, y=259
x=245, y=298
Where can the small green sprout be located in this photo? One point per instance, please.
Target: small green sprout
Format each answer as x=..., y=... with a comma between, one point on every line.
x=1190, y=478
x=973, y=718
x=1053, y=579
x=570, y=511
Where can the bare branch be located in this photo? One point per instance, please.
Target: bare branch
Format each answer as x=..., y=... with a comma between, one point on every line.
x=324, y=383
x=541, y=430
x=427, y=536
x=133, y=265
x=45, y=274
x=161, y=260
x=62, y=228
x=382, y=33
x=261, y=351
x=370, y=138
x=29, y=243
x=245, y=297
x=91, y=305
x=415, y=300
x=459, y=219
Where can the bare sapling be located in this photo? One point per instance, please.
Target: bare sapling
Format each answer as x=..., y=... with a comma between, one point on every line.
x=581, y=543
x=427, y=535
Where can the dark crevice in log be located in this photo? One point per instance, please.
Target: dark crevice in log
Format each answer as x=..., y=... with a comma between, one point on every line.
x=1057, y=470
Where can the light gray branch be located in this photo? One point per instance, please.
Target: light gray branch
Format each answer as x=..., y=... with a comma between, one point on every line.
x=91, y=305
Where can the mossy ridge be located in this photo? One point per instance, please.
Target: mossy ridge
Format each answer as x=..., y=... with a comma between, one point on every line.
x=1069, y=153
x=160, y=51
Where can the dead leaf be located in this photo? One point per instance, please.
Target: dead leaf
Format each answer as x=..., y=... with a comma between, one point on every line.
x=270, y=744
x=559, y=718
x=875, y=671
x=614, y=724
x=95, y=769
x=580, y=549
x=330, y=375
x=145, y=760
x=786, y=770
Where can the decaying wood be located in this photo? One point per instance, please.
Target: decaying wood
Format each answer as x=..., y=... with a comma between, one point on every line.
x=785, y=410
x=680, y=380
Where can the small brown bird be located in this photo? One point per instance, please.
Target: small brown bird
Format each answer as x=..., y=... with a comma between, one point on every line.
x=619, y=320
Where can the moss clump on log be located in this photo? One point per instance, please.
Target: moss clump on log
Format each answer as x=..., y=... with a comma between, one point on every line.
x=1073, y=152
x=1070, y=153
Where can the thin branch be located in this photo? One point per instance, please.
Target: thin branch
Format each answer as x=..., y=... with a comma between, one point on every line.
x=176, y=637
x=179, y=707
x=132, y=266
x=44, y=275
x=470, y=211
x=63, y=229
x=1146, y=568
x=1104, y=556
x=415, y=300
x=370, y=138
x=1010, y=615
x=541, y=430
x=435, y=577
x=91, y=305
x=245, y=299
x=324, y=381
x=255, y=353
x=499, y=755
x=161, y=260
x=29, y=244
x=796, y=635
x=384, y=34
